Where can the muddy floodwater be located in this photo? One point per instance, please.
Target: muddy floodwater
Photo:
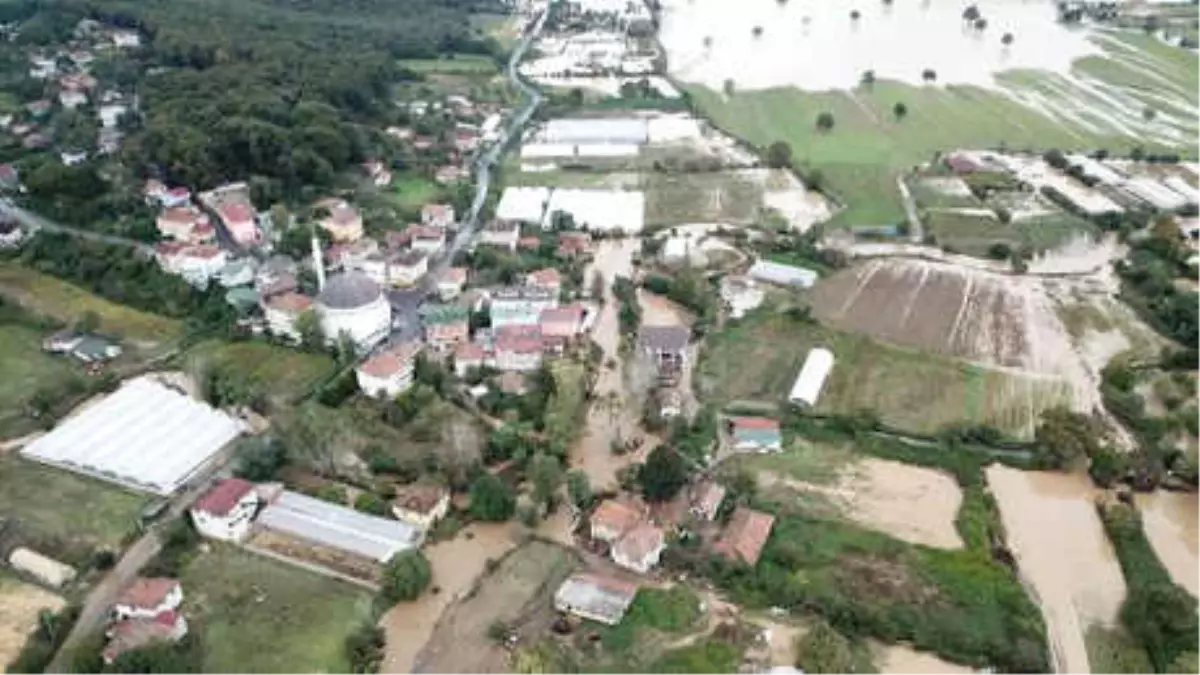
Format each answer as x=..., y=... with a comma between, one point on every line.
x=1171, y=523
x=1063, y=553
x=456, y=564
x=903, y=660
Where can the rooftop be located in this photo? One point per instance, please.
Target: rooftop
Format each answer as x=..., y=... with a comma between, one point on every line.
x=603, y=598
x=339, y=527
x=665, y=338
x=617, y=515
x=391, y=361
x=349, y=291
x=420, y=498
x=639, y=542
x=221, y=499
x=147, y=592
x=745, y=535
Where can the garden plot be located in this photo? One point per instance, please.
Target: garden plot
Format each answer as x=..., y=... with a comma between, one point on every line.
x=732, y=197
x=20, y=606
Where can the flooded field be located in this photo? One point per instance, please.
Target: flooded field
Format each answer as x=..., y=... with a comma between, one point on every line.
x=904, y=660
x=20, y=604
x=1171, y=523
x=456, y=564
x=1063, y=553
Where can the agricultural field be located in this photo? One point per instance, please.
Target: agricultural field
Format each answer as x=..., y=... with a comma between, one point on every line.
x=758, y=358
x=975, y=234
x=62, y=513
x=517, y=591
x=245, y=603
x=454, y=64
x=24, y=369
x=280, y=373
x=46, y=295
x=20, y=605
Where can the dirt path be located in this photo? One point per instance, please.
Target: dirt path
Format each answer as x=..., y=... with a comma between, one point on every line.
x=1062, y=553
x=456, y=564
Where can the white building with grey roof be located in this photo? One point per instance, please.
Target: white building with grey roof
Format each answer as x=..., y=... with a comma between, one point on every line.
x=339, y=527
x=352, y=304
x=592, y=596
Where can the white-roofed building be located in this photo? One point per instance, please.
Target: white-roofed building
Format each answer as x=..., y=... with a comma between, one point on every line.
x=811, y=379
x=592, y=596
x=618, y=131
x=1096, y=170
x=783, y=275
x=1155, y=194
x=599, y=210
x=1178, y=184
x=145, y=436
x=339, y=527
x=523, y=204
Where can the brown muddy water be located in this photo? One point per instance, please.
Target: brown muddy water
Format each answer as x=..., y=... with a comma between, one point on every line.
x=1172, y=523
x=904, y=660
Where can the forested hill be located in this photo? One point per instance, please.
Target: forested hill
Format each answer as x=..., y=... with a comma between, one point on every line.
x=274, y=88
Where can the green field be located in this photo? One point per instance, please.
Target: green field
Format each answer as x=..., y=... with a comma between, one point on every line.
x=71, y=512
x=868, y=147
x=25, y=368
x=282, y=374
x=758, y=357
x=43, y=294
x=455, y=65
x=974, y=234
x=256, y=615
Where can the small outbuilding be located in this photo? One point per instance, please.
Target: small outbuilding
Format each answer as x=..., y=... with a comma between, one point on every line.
x=755, y=434
x=227, y=510
x=811, y=379
x=595, y=597
x=770, y=272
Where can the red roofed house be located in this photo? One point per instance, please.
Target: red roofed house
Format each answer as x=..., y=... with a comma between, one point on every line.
x=238, y=218
x=468, y=356
x=196, y=263
x=188, y=224
x=640, y=548
x=427, y=238
x=573, y=244
x=530, y=243
x=148, y=597
x=518, y=348
x=227, y=510
x=755, y=434
x=959, y=163
x=437, y=215
x=447, y=334
x=451, y=283
x=547, y=278
x=167, y=626
x=614, y=517
x=344, y=223
x=390, y=372
x=283, y=310
x=745, y=535
x=560, y=325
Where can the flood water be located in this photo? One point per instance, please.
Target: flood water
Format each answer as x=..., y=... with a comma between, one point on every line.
x=456, y=564
x=903, y=660
x=1063, y=553
x=1171, y=523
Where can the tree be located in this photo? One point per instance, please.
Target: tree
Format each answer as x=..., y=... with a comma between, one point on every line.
x=779, y=155
x=1148, y=113
x=970, y=14
x=579, y=489
x=825, y=121
x=867, y=79
x=663, y=474
x=308, y=327
x=260, y=459
x=929, y=75
x=369, y=502
x=546, y=473
x=1162, y=616
x=824, y=650
x=1065, y=436
x=1007, y=39
x=980, y=24
x=364, y=648
x=405, y=577
x=899, y=110
x=492, y=499
x=855, y=15
x=757, y=31
x=88, y=322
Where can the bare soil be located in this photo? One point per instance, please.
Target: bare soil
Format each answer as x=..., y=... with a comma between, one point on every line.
x=19, y=607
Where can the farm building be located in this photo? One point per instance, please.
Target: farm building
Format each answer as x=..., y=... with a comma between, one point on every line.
x=523, y=204
x=1178, y=184
x=46, y=570
x=227, y=510
x=1155, y=194
x=755, y=434
x=745, y=535
x=812, y=376
x=557, y=150
x=148, y=597
x=599, y=210
x=782, y=275
x=422, y=505
x=145, y=436
x=1096, y=170
x=338, y=527
x=595, y=597
x=606, y=131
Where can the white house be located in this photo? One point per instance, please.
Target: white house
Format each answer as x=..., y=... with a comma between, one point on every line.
x=427, y=239
x=422, y=505
x=407, y=268
x=812, y=376
x=390, y=372
x=519, y=350
x=148, y=597
x=437, y=215
x=451, y=283
x=227, y=510
x=281, y=312
x=520, y=306
x=640, y=548
x=501, y=234
x=196, y=263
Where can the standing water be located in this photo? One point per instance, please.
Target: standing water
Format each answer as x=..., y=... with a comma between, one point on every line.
x=1171, y=523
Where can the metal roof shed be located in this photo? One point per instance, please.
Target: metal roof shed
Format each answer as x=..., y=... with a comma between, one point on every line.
x=783, y=275
x=339, y=527
x=812, y=376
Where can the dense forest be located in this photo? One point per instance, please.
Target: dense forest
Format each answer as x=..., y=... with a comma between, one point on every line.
x=293, y=91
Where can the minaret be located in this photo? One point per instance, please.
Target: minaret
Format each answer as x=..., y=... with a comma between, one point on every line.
x=318, y=262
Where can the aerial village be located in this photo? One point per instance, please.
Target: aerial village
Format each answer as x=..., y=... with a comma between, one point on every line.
x=567, y=373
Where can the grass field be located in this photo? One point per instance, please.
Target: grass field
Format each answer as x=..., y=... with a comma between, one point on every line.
x=25, y=368
x=974, y=234
x=674, y=199
x=57, y=506
x=43, y=294
x=456, y=64
x=868, y=147
x=758, y=358
x=282, y=374
x=414, y=192
x=256, y=615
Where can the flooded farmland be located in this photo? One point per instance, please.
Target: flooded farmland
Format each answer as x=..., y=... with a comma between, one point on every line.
x=1062, y=552
x=1171, y=523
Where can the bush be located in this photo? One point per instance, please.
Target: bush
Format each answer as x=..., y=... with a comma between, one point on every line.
x=824, y=650
x=260, y=459
x=364, y=648
x=492, y=499
x=369, y=502
x=40, y=648
x=405, y=577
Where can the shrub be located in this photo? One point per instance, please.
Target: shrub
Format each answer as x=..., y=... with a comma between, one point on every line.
x=405, y=577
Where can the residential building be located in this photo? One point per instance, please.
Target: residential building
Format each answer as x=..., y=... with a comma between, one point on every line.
x=546, y=278
x=446, y=326
x=573, y=245
x=640, y=548
x=72, y=98
x=283, y=310
x=185, y=223
x=407, y=268
x=560, y=325
x=705, y=497
x=427, y=239
x=614, y=517
x=377, y=172
x=745, y=535
x=529, y=243
x=128, y=634
x=238, y=218
x=518, y=348
x=390, y=372
x=755, y=434
x=147, y=597
x=467, y=357
x=451, y=283
x=595, y=597
x=666, y=346
x=343, y=223
x=501, y=234
x=196, y=263
x=519, y=306
x=422, y=505
x=437, y=215
x=227, y=511
x=352, y=256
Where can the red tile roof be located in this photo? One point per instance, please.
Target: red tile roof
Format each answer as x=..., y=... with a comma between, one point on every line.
x=391, y=361
x=290, y=302
x=547, y=277
x=235, y=212
x=225, y=495
x=617, y=515
x=421, y=498
x=754, y=423
x=469, y=351
x=147, y=592
x=745, y=535
x=639, y=542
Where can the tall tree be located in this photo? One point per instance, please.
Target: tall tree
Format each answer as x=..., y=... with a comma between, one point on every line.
x=663, y=474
